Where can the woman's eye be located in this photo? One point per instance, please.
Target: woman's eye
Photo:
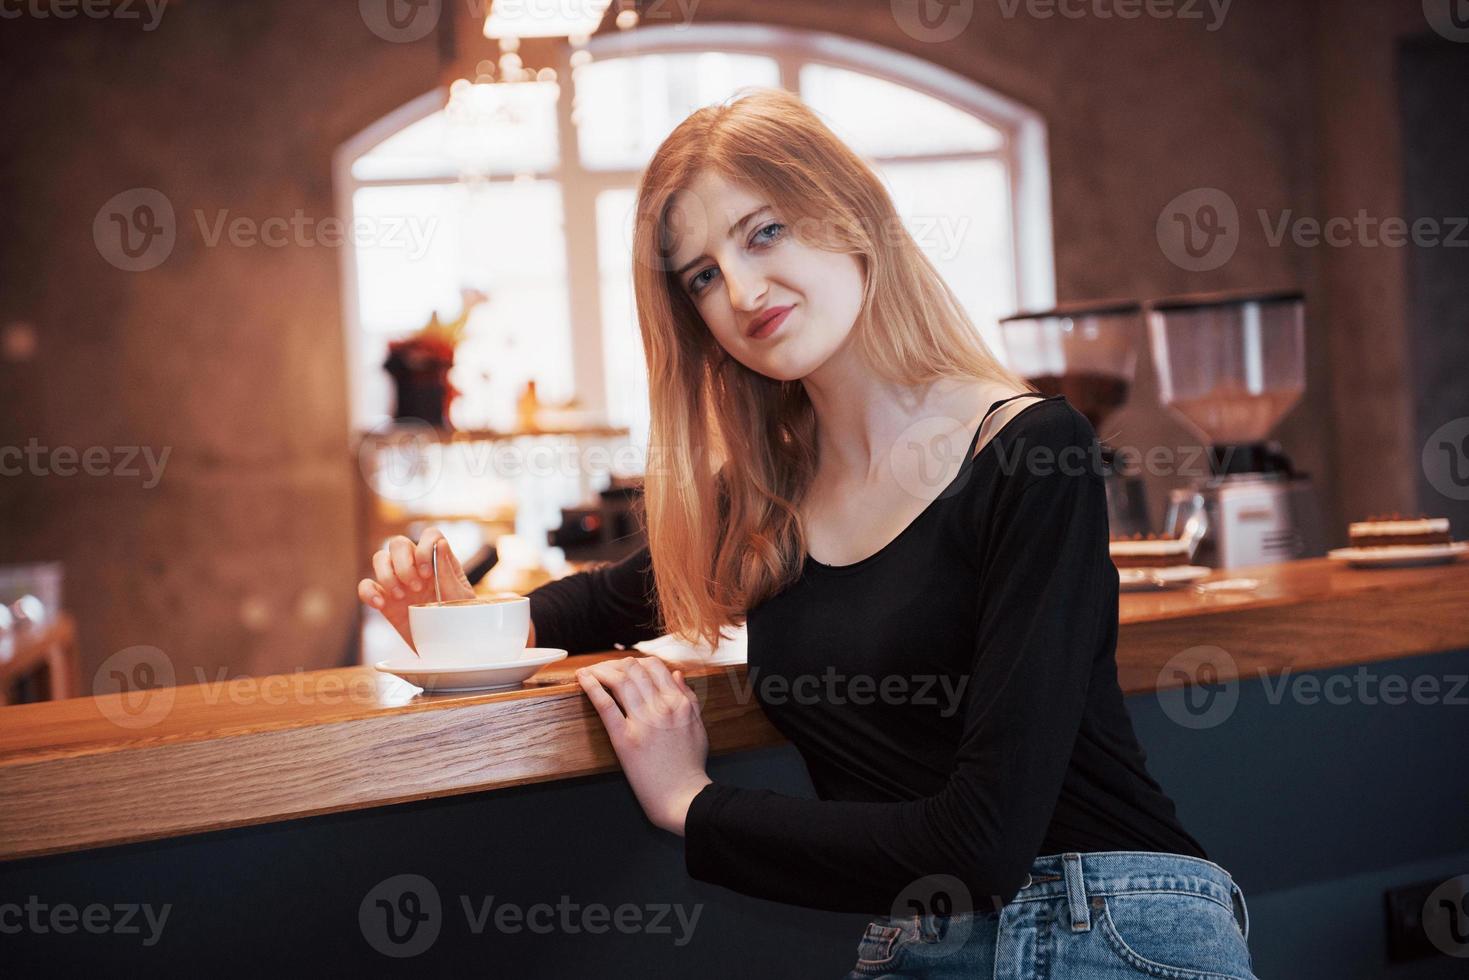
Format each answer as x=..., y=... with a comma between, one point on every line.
x=760, y=237
x=773, y=224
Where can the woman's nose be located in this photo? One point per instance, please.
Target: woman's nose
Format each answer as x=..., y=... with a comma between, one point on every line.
x=746, y=289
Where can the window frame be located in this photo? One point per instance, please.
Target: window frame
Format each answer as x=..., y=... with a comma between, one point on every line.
x=1024, y=153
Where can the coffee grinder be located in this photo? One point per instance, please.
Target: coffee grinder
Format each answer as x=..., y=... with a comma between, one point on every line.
x=1086, y=352
x=1230, y=367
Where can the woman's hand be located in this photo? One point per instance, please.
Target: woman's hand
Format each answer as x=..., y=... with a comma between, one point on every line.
x=655, y=729
x=404, y=572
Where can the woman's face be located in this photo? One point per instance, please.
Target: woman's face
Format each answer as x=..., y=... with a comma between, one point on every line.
x=738, y=263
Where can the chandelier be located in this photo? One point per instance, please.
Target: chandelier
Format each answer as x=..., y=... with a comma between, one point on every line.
x=510, y=21
x=506, y=97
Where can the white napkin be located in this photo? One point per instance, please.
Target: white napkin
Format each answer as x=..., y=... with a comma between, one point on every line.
x=669, y=649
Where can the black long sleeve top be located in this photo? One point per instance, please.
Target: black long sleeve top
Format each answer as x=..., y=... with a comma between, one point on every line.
x=954, y=695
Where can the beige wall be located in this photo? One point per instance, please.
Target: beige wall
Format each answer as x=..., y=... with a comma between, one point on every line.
x=232, y=357
x=244, y=556
x=1364, y=290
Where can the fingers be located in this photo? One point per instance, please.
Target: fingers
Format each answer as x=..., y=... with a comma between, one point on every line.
x=689, y=692
x=642, y=680
x=607, y=671
x=616, y=676
x=602, y=701
x=451, y=574
x=646, y=691
x=400, y=549
x=424, y=553
x=382, y=567
x=672, y=682
x=455, y=569
x=633, y=694
x=669, y=684
x=371, y=593
x=657, y=670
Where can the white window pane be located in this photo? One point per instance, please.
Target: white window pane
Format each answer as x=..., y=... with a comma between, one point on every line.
x=485, y=129
x=522, y=334
x=959, y=213
x=399, y=287
x=506, y=239
x=878, y=118
x=415, y=151
x=622, y=344
x=625, y=107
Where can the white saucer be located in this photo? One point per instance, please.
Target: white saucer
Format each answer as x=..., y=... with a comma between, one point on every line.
x=1400, y=555
x=1152, y=579
x=471, y=677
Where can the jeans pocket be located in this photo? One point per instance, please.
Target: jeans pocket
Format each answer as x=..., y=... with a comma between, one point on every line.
x=1174, y=935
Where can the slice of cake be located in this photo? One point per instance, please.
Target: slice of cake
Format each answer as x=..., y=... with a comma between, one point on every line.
x=1152, y=551
x=1394, y=529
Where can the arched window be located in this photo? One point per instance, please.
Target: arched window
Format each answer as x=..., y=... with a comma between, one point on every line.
x=525, y=192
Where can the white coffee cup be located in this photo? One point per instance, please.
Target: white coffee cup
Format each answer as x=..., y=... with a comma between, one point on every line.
x=482, y=630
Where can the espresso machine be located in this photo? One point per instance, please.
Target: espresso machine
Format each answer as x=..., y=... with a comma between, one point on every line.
x=1087, y=353
x=1230, y=367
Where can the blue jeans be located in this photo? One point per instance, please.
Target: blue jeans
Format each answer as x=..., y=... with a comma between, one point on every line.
x=1092, y=916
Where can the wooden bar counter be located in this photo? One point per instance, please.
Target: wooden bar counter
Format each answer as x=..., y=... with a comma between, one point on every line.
x=95, y=771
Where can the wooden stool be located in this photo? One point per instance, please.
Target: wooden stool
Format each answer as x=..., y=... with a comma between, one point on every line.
x=47, y=656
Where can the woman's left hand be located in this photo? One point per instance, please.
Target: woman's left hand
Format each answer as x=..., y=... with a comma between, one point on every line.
x=655, y=729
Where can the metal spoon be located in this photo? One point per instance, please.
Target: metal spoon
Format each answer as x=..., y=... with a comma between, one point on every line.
x=438, y=595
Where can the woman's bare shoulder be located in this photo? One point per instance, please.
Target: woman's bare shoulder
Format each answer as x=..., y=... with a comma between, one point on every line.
x=1002, y=416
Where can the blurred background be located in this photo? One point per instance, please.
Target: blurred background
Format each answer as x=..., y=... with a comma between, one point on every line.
x=281, y=279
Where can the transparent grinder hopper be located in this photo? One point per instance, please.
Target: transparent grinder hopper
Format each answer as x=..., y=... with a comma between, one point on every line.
x=1088, y=353
x=1230, y=367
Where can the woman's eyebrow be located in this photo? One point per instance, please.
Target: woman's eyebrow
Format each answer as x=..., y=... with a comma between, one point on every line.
x=732, y=229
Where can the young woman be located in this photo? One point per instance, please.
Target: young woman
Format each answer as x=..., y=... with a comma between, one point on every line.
x=934, y=629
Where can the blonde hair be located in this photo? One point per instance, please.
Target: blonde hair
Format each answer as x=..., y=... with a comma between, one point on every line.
x=723, y=538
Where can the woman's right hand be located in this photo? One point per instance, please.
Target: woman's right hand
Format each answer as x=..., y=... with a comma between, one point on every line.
x=403, y=574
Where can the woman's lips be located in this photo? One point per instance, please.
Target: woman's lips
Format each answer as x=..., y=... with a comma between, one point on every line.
x=772, y=324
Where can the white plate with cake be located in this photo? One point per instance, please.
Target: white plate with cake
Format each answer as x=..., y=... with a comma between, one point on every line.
x=1152, y=579
x=1398, y=542
x=1153, y=562
x=1400, y=555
